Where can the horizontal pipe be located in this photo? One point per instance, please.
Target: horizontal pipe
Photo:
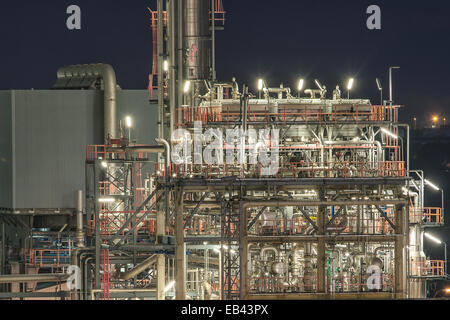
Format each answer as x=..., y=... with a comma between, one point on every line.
x=285, y=203
x=149, y=149
x=43, y=277
x=94, y=291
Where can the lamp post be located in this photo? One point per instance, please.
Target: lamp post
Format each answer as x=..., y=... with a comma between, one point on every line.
x=390, y=90
x=436, y=240
x=380, y=88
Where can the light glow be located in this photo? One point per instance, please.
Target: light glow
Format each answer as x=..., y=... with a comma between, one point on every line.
x=169, y=286
x=166, y=66
x=387, y=132
x=129, y=122
x=429, y=236
x=260, y=84
x=106, y=200
x=300, y=84
x=350, y=84
x=187, y=86
x=429, y=183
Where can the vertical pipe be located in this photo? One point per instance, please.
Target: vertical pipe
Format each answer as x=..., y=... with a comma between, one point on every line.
x=160, y=225
x=321, y=258
x=160, y=55
x=172, y=67
x=399, y=252
x=80, y=234
x=243, y=249
x=213, y=36
x=3, y=253
x=180, y=54
x=180, y=252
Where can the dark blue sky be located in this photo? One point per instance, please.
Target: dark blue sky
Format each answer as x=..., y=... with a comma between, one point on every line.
x=279, y=40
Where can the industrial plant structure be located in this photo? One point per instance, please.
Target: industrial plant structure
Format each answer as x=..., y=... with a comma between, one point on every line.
x=208, y=191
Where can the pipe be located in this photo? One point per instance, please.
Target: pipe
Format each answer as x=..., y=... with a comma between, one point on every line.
x=108, y=75
x=378, y=143
x=80, y=235
x=139, y=268
x=43, y=277
x=94, y=291
x=149, y=149
x=273, y=249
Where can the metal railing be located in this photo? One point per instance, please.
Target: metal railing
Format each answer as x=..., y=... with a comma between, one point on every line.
x=48, y=257
x=426, y=215
x=427, y=268
x=286, y=113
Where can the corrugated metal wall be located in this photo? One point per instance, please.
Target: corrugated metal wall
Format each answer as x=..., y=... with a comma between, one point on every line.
x=6, y=168
x=50, y=131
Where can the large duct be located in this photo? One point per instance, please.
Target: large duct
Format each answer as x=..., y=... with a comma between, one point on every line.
x=76, y=75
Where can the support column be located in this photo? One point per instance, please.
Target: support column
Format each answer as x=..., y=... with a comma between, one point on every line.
x=161, y=260
x=180, y=249
x=243, y=249
x=3, y=254
x=321, y=280
x=400, y=261
x=97, y=225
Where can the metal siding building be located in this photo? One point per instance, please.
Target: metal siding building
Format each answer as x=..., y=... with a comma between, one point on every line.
x=44, y=134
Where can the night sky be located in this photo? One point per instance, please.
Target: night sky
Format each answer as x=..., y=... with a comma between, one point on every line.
x=278, y=40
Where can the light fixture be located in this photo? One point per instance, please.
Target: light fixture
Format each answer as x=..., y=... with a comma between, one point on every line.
x=169, y=286
x=260, y=84
x=106, y=200
x=187, y=86
x=350, y=84
x=104, y=164
x=318, y=84
x=128, y=122
x=166, y=66
x=429, y=236
x=435, y=119
x=429, y=183
x=387, y=132
x=301, y=82
x=379, y=84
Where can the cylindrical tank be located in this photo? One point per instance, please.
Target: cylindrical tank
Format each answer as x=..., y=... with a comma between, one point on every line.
x=196, y=39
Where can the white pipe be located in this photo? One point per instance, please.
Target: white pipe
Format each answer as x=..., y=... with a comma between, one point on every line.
x=79, y=233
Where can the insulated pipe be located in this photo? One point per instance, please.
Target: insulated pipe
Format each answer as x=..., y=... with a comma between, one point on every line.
x=80, y=234
x=42, y=277
x=139, y=268
x=149, y=149
x=108, y=75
